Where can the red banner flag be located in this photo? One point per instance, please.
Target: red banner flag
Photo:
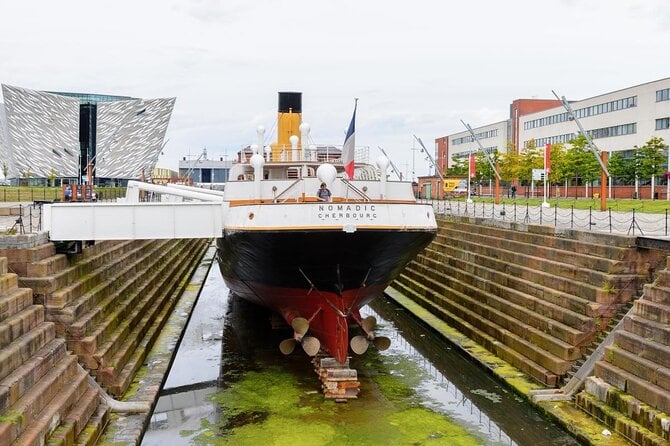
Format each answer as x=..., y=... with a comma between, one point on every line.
x=473, y=171
x=547, y=158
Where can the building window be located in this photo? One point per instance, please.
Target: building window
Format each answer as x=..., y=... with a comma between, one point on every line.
x=663, y=95
x=663, y=123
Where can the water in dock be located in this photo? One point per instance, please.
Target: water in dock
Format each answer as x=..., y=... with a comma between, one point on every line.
x=229, y=384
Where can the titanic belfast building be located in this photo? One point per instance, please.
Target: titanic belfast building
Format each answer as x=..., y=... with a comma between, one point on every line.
x=46, y=134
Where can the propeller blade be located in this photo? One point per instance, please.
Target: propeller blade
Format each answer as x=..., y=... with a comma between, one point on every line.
x=300, y=325
x=287, y=346
x=311, y=345
x=382, y=343
x=359, y=344
x=368, y=324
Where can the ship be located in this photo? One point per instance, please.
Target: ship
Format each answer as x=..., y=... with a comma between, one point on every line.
x=317, y=263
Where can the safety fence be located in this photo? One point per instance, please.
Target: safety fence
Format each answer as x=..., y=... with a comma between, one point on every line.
x=621, y=222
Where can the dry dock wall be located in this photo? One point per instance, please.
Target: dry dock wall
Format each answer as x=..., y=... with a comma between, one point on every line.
x=542, y=301
x=65, y=318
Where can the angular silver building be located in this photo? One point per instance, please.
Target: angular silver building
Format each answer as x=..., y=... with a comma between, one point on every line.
x=45, y=134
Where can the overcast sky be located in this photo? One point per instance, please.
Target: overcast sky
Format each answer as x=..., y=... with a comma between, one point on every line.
x=418, y=67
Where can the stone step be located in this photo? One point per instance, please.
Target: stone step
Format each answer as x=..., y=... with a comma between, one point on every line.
x=81, y=314
x=17, y=383
x=83, y=410
x=641, y=389
x=518, y=242
x=47, y=267
x=653, y=311
x=16, y=353
x=647, y=329
x=644, y=348
x=657, y=293
x=47, y=285
x=522, y=292
x=63, y=296
x=532, y=369
x=93, y=429
x=635, y=420
x=647, y=370
x=29, y=407
x=500, y=303
x=19, y=258
x=20, y=323
x=125, y=375
x=43, y=425
x=8, y=283
x=564, y=276
x=515, y=341
x=609, y=246
x=102, y=325
x=15, y=301
x=113, y=355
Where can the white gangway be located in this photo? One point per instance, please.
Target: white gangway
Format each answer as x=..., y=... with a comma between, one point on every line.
x=183, y=212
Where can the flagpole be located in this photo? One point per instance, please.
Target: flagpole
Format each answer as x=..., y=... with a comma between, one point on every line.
x=470, y=162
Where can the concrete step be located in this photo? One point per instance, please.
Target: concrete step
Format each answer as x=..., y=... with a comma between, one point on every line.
x=517, y=291
x=500, y=303
x=21, y=379
x=20, y=323
x=656, y=396
x=532, y=369
x=16, y=353
x=15, y=301
x=524, y=347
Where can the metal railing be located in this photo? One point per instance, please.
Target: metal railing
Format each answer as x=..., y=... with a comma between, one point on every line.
x=618, y=222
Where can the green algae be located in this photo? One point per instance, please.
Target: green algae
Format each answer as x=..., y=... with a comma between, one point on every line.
x=274, y=407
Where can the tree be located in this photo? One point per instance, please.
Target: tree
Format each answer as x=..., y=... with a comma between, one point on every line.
x=484, y=170
x=621, y=168
x=582, y=162
x=52, y=177
x=531, y=158
x=5, y=169
x=459, y=167
x=509, y=166
x=650, y=158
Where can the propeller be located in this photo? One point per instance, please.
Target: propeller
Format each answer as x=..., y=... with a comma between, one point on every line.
x=381, y=343
x=310, y=344
x=368, y=324
x=359, y=344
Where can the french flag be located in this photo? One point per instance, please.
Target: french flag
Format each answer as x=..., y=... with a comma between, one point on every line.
x=349, y=146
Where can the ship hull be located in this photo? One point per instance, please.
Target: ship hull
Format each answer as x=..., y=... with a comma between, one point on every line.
x=321, y=275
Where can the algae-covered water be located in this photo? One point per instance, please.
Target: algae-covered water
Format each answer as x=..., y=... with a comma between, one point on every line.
x=419, y=392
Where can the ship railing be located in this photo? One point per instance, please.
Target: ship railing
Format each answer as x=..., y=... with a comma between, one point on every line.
x=356, y=190
x=284, y=195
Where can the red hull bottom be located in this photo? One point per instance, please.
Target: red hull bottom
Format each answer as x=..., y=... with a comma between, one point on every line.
x=329, y=314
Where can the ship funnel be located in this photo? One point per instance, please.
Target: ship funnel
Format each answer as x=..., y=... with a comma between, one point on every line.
x=288, y=123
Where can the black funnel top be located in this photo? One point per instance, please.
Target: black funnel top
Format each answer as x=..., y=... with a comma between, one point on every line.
x=290, y=100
